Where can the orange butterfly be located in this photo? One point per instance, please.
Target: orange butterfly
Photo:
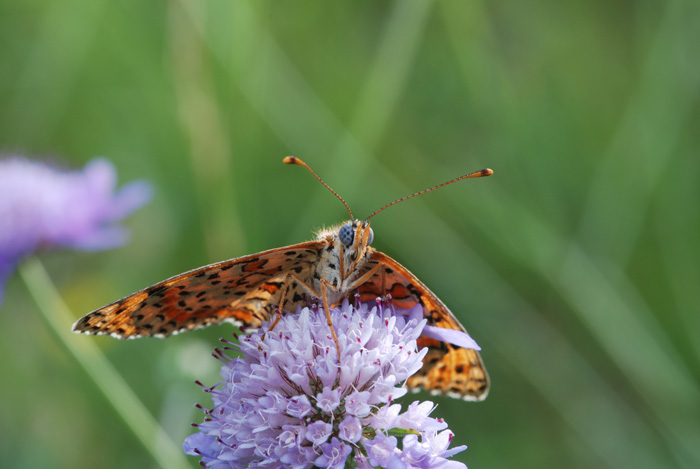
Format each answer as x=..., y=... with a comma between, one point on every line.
x=340, y=262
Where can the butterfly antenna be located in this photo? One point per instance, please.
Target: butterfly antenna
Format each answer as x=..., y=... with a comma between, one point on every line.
x=298, y=161
x=476, y=174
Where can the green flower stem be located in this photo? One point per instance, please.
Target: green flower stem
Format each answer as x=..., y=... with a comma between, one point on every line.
x=59, y=319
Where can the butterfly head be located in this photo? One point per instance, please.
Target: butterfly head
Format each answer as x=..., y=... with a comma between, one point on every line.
x=353, y=240
x=348, y=248
x=356, y=234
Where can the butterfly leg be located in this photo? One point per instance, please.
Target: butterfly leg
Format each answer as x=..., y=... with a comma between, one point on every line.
x=324, y=297
x=325, y=283
x=368, y=275
x=278, y=316
x=285, y=288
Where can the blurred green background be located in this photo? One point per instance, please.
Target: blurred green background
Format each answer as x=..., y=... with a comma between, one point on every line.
x=575, y=266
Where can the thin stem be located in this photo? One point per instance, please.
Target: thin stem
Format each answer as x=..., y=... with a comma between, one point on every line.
x=59, y=319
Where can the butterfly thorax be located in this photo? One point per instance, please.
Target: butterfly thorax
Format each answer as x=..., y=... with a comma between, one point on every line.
x=342, y=260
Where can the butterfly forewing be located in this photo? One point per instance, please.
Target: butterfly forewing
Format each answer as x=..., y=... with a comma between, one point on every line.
x=447, y=369
x=241, y=291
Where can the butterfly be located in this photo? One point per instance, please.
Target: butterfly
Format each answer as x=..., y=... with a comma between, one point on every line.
x=340, y=262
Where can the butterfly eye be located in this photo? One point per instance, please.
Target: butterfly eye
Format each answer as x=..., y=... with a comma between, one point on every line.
x=346, y=234
x=371, y=237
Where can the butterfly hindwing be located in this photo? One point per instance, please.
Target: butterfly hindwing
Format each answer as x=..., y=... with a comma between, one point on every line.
x=447, y=369
x=237, y=290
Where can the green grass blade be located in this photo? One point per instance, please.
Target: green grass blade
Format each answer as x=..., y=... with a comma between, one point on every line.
x=117, y=392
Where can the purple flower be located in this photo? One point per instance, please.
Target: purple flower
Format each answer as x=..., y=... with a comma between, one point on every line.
x=328, y=400
x=318, y=432
x=334, y=455
x=298, y=406
x=43, y=206
x=381, y=451
x=424, y=453
x=356, y=403
x=289, y=402
x=350, y=429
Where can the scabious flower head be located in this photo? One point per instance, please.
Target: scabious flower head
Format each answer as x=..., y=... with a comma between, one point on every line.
x=289, y=402
x=43, y=206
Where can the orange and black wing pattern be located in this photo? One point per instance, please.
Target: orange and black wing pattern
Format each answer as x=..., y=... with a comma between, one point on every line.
x=241, y=291
x=447, y=369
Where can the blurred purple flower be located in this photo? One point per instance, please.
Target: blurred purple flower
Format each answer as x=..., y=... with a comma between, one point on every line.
x=42, y=206
x=288, y=403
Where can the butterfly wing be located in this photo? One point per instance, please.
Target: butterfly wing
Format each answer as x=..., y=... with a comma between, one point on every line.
x=447, y=369
x=237, y=291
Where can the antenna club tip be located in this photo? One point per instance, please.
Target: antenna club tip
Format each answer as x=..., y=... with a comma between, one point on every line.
x=290, y=160
x=487, y=172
